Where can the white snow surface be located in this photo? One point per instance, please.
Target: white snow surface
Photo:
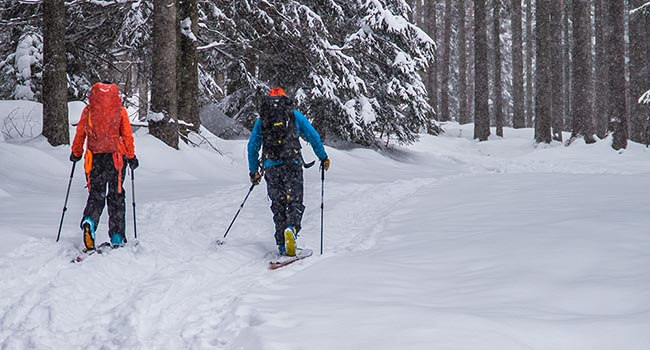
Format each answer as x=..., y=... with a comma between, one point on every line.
x=20, y=120
x=446, y=244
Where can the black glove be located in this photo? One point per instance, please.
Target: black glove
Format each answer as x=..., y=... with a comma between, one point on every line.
x=325, y=164
x=74, y=158
x=256, y=177
x=133, y=162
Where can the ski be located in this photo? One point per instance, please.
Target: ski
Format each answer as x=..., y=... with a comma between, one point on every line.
x=283, y=260
x=85, y=254
x=105, y=249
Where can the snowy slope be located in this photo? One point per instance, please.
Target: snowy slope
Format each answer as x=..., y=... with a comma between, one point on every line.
x=446, y=244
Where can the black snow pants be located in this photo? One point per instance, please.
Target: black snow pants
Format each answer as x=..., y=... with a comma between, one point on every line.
x=284, y=186
x=103, y=173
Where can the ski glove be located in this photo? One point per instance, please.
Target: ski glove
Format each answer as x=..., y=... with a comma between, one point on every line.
x=74, y=158
x=256, y=177
x=133, y=162
x=325, y=163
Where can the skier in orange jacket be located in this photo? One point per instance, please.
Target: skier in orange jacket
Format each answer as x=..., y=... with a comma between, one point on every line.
x=105, y=128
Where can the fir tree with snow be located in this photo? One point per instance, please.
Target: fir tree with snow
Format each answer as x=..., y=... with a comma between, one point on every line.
x=26, y=66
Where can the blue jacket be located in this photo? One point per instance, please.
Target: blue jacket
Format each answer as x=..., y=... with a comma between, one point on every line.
x=305, y=130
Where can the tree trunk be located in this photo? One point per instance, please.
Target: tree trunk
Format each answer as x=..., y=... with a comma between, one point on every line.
x=432, y=71
x=163, y=120
x=566, y=61
x=518, y=116
x=444, y=73
x=415, y=14
x=543, y=96
x=55, y=84
x=144, y=88
x=188, y=73
x=498, y=93
x=463, y=114
x=614, y=38
x=557, y=120
x=639, y=29
x=600, y=83
x=481, y=114
x=470, y=61
x=143, y=91
x=529, y=63
x=582, y=123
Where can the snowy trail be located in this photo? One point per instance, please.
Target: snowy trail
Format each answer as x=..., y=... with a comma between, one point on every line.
x=176, y=290
x=465, y=285
x=451, y=244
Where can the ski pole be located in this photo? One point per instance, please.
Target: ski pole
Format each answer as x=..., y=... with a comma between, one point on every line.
x=135, y=228
x=65, y=205
x=221, y=242
x=322, y=205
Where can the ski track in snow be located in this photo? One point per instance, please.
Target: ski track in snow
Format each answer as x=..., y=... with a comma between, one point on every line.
x=178, y=290
x=148, y=291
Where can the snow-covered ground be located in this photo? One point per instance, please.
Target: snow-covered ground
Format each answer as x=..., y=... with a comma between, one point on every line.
x=446, y=244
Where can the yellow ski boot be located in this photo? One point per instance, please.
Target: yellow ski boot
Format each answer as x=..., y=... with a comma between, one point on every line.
x=88, y=226
x=290, y=240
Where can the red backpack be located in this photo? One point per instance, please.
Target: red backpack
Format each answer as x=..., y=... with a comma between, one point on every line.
x=105, y=127
x=103, y=118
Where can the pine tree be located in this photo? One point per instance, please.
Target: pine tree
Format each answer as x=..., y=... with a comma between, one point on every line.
x=600, y=79
x=135, y=40
x=566, y=61
x=555, y=62
x=188, y=73
x=614, y=31
x=55, y=92
x=543, y=94
x=519, y=116
x=354, y=73
x=163, y=116
x=432, y=70
x=463, y=113
x=401, y=109
x=639, y=29
x=498, y=94
x=530, y=44
x=93, y=46
x=471, y=73
x=21, y=51
x=481, y=113
x=266, y=46
x=445, y=66
x=101, y=42
x=24, y=66
x=245, y=44
x=582, y=108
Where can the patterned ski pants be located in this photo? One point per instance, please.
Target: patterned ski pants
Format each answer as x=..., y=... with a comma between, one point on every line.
x=284, y=186
x=103, y=174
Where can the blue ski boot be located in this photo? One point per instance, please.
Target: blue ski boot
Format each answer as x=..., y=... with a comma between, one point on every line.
x=282, y=250
x=88, y=226
x=117, y=240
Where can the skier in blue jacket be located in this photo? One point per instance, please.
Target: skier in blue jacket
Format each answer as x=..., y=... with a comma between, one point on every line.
x=277, y=132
